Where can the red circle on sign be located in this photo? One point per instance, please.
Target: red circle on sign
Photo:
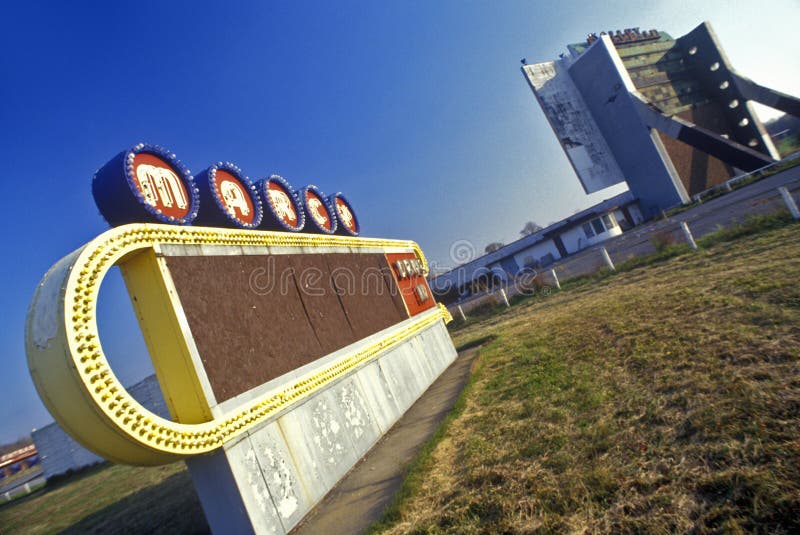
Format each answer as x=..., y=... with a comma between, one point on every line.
x=234, y=197
x=346, y=215
x=160, y=185
x=317, y=210
x=281, y=202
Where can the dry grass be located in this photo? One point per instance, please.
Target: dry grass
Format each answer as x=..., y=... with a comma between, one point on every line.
x=110, y=499
x=664, y=399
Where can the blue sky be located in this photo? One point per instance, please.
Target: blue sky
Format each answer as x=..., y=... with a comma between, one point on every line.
x=417, y=111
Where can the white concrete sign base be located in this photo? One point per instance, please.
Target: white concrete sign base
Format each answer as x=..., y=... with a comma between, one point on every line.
x=267, y=480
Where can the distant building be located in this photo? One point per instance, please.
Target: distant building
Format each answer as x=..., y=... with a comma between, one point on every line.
x=540, y=249
x=59, y=453
x=670, y=117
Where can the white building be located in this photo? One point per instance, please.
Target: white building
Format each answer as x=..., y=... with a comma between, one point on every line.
x=59, y=453
x=586, y=228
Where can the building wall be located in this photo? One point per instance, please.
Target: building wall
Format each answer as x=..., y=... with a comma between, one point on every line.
x=58, y=451
x=573, y=125
x=450, y=286
x=575, y=238
x=587, y=100
x=659, y=71
x=629, y=219
x=604, y=84
x=537, y=252
x=698, y=170
x=635, y=213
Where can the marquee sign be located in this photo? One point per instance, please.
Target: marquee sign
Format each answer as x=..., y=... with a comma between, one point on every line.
x=146, y=183
x=409, y=272
x=73, y=376
x=282, y=355
x=237, y=203
x=348, y=222
x=284, y=211
x=321, y=216
x=180, y=280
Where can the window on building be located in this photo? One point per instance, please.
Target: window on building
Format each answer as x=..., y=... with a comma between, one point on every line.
x=610, y=221
x=587, y=229
x=598, y=226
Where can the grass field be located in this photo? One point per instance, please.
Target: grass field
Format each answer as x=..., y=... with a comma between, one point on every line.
x=662, y=399
x=110, y=499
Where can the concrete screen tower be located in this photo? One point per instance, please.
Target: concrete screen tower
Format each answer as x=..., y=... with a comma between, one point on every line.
x=670, y=117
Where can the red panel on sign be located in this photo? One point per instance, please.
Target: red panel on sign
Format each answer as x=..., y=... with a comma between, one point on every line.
x=318, y=210
x=407, y=271
x=281, y=203
x=160, y=185
x=234, y=196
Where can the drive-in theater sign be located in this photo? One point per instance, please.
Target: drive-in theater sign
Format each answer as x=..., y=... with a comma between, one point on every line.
x=285, y=344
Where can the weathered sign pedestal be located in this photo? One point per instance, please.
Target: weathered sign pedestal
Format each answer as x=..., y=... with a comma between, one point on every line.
x=283, y=356
x=278, y=471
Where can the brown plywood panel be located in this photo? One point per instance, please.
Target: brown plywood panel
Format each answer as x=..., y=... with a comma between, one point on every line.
x=245, y=336
x=363, y=291
x=699, y=171
x=255, y=318
x=322, y=306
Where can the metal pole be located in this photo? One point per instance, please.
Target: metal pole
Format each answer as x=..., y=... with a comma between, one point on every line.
x=505, y=297
x=789, y=201
x=688, y=235
x=555, y=278
x=607, y=259
x=461, y=311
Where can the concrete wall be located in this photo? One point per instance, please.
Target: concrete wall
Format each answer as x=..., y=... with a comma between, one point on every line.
x=575, y=238
x=58, y=451
x=537, y=252
x=699, y=170
x=633, y=212
x=573, y=125
x=266, y=481
x=604, y=85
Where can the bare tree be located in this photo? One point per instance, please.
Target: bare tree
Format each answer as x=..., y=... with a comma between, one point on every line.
x=492, y=247
x=529, y=228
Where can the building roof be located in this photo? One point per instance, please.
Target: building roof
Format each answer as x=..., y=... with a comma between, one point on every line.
x=621, y=41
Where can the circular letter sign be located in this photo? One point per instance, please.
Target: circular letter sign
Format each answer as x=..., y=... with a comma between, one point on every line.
x=228, y=198
x=145, y=183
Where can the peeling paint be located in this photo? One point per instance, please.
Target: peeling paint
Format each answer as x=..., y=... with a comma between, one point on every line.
x=574, y=125
x=282, y=479
x=292, y=463
x=355, y=417
x=253, y=477
x=45, y=317
x=324, y=420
